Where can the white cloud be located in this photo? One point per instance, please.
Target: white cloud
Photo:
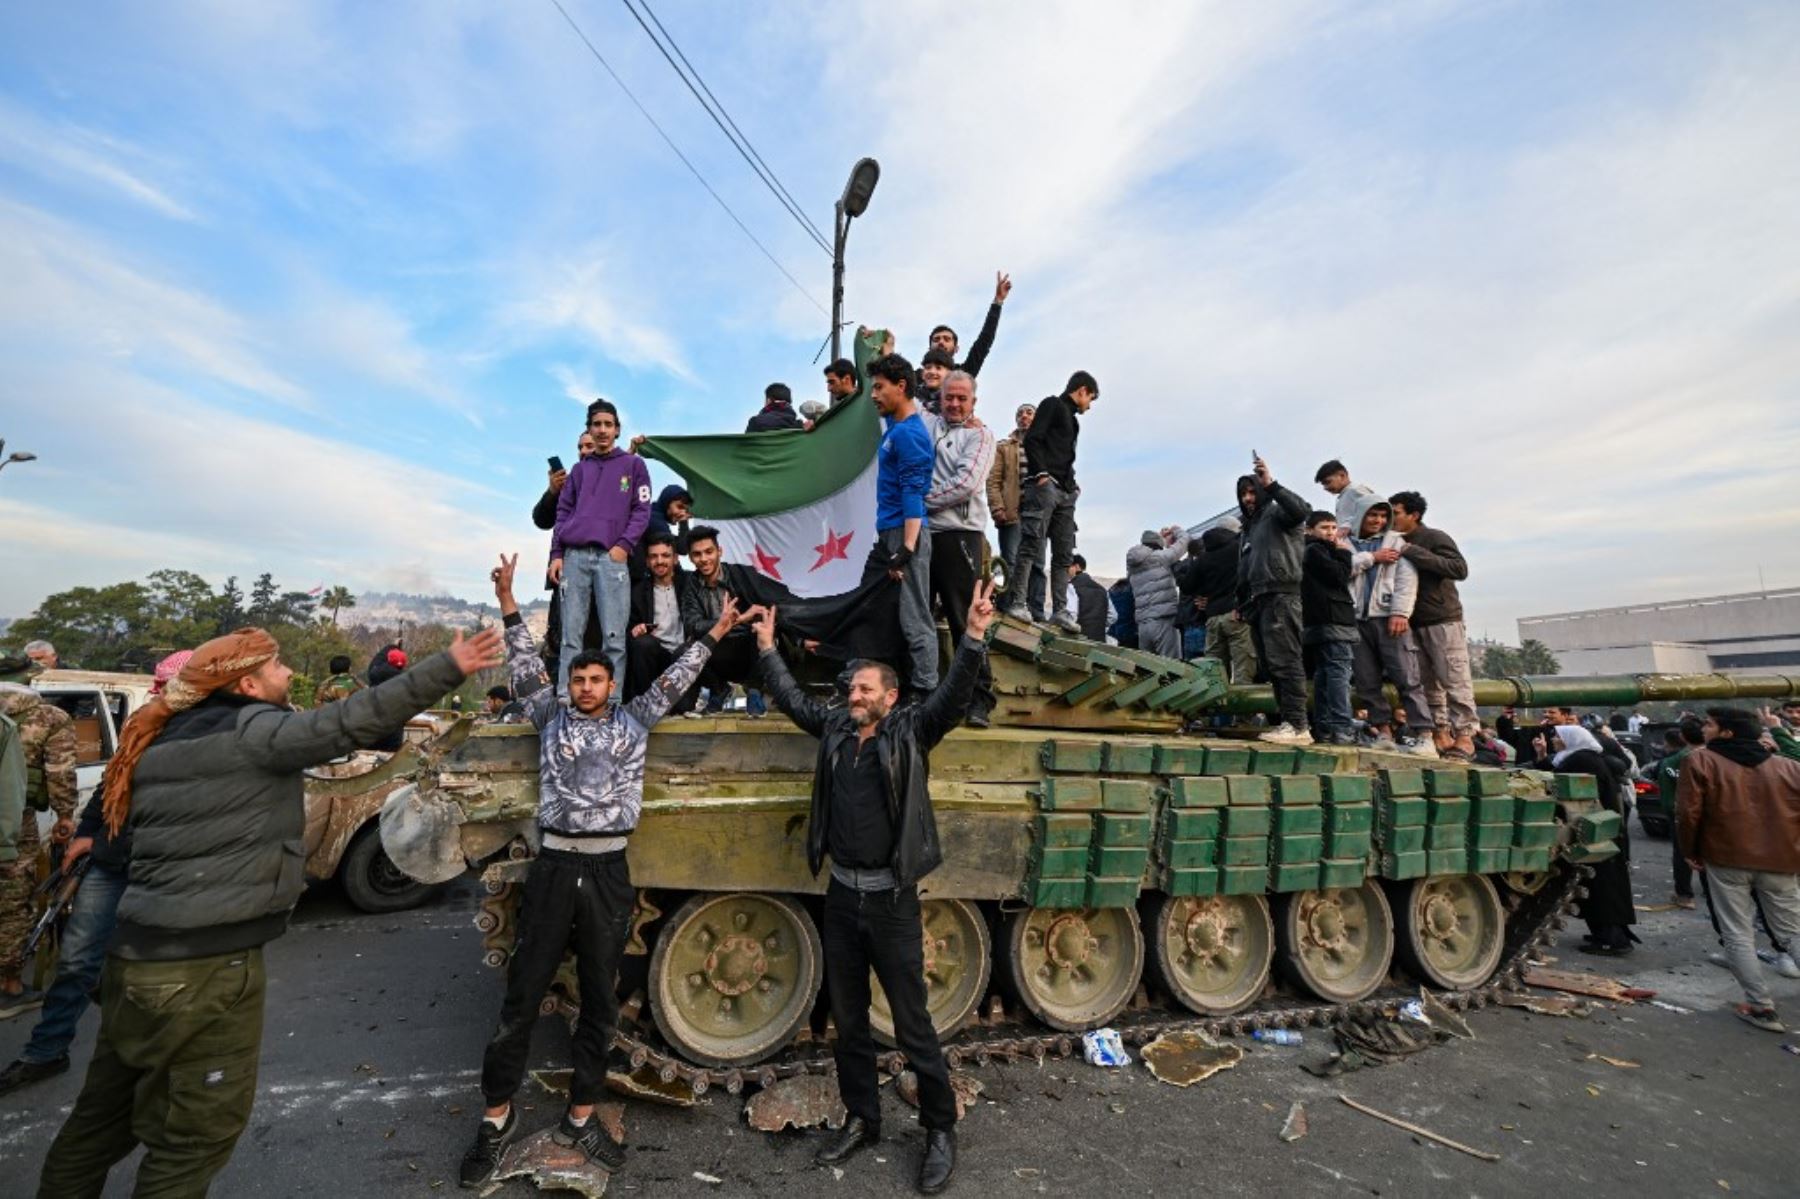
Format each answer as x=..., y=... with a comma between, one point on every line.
x=69, y=150
x=582, y=294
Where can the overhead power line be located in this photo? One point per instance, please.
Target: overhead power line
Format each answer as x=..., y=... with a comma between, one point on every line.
x=720, y=117
x=695, y=171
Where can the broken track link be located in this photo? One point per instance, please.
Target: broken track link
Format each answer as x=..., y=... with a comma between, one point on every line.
x=1534, y=920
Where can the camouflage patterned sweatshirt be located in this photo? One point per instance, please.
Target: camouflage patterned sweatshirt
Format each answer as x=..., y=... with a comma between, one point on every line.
x=591, y=768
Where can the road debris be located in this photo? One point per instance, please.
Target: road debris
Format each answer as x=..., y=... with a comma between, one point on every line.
x=1397, y=1122
x=1442, y=1016
x=551, y=1167
x=1594, y=985
x=1620, y=1062
x=966, y=1087
x=1593, y=1091
x=1185, y=1058
x=1294, y=1127
x=1545, y=1005
x=1102, y=1047
x=708, y=1179
x=1671, y=1007
x=805, y=1101
x=647, y=1084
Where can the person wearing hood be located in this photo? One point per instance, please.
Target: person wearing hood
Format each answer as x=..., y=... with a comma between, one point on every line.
x=1269, y=574
x=1050, y=492
x=1608, y=908
x=1738, y=819
x=1228, y=638
x=1150, y=565
x=1385, y=585
x=1123, y=629
x=777, y=411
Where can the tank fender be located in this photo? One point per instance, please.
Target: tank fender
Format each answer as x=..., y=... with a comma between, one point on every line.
x=422, y=836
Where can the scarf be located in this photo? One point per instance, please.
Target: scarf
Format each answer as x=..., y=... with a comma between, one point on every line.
x=1736, y=749
x=216, y=664
x=1574, y=739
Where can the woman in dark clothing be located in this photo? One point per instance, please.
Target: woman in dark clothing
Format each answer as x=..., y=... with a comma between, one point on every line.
x=1608, y=908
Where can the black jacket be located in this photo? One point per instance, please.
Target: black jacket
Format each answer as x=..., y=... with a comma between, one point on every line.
x=1050, y=443
x=1325, y=591
x=774, y=417
x=701, y=605
x=1440, y=565
x=1215, y=572
x=109, y=851
x=984, y=341
x=1091, y=603
x=904, y=740
x=643, y=600
x=1271, y=542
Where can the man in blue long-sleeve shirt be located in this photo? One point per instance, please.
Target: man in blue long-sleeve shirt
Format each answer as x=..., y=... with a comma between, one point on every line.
x=903, y=477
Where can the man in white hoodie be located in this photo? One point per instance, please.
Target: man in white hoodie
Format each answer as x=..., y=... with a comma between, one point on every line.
x=1384, y=586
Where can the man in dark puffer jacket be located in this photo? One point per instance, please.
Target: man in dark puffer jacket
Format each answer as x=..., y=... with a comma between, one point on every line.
x=209, y=776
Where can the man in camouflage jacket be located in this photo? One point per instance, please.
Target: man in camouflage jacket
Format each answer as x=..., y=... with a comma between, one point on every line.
x=46, y=738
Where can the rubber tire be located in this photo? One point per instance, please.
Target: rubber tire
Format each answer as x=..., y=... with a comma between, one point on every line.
x=357, y=874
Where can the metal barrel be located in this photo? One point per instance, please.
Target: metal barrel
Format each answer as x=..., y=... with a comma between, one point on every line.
x=1580, y=691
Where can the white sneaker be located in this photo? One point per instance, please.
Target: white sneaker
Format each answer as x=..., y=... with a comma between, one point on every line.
x=1287, y=734
x=1065, y=620
x=1786, y=966
x=1418, y=747
x=1717, y=957
x=1017, y=612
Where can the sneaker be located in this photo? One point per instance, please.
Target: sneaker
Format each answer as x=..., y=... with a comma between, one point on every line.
x=1685, y=902
x=1762, y=1017
x=1784, y=964
x=1286, y=734
x=482, y=1162
x=19, y=1003
x=1065, y=620
x=1017, y=612
x=20, y=1072
x=592, y=1139
x=1418, y=747
x=1717, y=958
x=693, y=714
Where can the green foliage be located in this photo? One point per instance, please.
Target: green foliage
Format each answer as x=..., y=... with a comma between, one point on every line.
x=1532, y=657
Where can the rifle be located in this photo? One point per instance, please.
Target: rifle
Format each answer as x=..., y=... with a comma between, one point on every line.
x=61, y=886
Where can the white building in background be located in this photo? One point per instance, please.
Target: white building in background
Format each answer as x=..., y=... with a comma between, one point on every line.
x=1755, y=632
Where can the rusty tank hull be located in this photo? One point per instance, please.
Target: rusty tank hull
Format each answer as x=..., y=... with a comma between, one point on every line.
x=1100, y=867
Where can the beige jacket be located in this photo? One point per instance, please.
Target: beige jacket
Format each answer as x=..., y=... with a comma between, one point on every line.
x=1003, y=481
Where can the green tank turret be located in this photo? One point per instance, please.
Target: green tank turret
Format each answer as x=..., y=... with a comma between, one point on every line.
x=1100, y=866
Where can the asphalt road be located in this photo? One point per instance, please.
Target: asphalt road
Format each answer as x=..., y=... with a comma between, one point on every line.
x=375, y=1028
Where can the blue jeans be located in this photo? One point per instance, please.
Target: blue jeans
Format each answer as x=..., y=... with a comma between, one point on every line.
x=1193, y=642
x=1331, y=686
x=81, y=954
x=593, y=582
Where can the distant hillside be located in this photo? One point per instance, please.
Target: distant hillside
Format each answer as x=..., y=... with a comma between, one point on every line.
x=388, y=609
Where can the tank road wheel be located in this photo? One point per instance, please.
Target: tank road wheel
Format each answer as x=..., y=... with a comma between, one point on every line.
x=734, y=976
x=1525, y=882
x=1074, y=969
x=1451, y=930
x=958, y=960
x=1337, y=943
x=1212, y=952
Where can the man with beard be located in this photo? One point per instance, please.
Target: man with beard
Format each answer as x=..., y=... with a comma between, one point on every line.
x=944, y=337
x=871, y=814
x=657, y=633
x=956, y=509
x=1269, y=574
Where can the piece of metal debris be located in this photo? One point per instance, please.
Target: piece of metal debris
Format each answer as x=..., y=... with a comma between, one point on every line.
x=1595, y=985
x=806, y=1101
x=966, y=1087
x=551, y=1167
x=1443, y=1016
x=1187, y=1057
x=1294, y=1127
x=647, y=1084
x=1621, y=1063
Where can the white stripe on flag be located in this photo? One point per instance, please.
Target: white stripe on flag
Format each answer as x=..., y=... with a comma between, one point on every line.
x=815, y=550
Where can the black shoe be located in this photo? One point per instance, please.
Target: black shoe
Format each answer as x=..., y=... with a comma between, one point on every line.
x=592, y=1139
x=939, y=1163
x=977, y=719
x=482, y=1161
x=857, y=1133
x=22, y=1073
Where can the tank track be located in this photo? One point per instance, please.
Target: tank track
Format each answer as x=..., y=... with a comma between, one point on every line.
x=997, y=1038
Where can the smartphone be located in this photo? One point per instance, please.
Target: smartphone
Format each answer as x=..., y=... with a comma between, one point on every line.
x=555, y=462
x=1253, y=457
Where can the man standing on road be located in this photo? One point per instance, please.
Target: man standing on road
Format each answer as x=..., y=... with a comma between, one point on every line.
x=1269, y=576
x=956, y=507
x=1050, y=492
x=1739, y=820
x=1437, y=627
x=578, y=895
x=903, y=468
x=871, y=814
x=209, y=777
x=47, y=743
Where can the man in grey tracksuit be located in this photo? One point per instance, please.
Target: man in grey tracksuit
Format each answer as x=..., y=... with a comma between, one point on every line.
x=1150, y=565
x=956, y=512
x=1385, y=586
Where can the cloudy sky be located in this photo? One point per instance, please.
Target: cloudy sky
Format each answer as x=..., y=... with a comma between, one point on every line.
x=317, y=287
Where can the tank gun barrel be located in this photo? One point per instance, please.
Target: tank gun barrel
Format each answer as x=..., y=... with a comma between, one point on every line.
x=1582, y=691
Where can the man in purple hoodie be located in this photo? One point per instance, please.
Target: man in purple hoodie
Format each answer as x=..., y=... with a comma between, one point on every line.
x=601, y=512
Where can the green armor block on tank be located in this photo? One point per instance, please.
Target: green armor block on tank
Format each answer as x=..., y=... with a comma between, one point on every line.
x=1227, y=761
x=1302, y=847
x=1109, y=861
x=1350, y=817
x=1345, y=872
x=1243, y=851
x=1347, y=788
x=1447, y=861
x=1294, y=876
x=1071, y=794
x=1296, y=790
x=1200, y=824
x=1052, y=830
x=1112, y=892
x=1248, y=822
x=1349, y=844
x=1401, y=812
x=1124, y=757
x=1248, y=790
x=1412, y=864
x=1447, y=811
x=1535, y=836
x=1118, y=829
x=1402, y=781
x=1444, y=781
x=1272, y=760
x=1447, y=836
x=1522, y=858
x=1599, y=851
x=1535, y=809
x=1244, y=880
x=1299, y=820
x=1490, y=861
x=1057, y=893
x=1077, y=757
x=1594, y=827
x=1127, y=795
x=1064, y=861
x=1197, y=793
x=1410, y=839
x=1488, y=783
x=1180, y=759
x=1201, y=881
x=1184, y=855
x=1491, y=809
x=1314, y=761
x=1490, y=836
x=1576, y=786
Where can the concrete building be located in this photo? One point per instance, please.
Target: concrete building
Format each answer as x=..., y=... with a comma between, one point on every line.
x=1756, y=632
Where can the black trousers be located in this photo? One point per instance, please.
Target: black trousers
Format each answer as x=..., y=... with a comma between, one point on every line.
x=572, y=901
x=732, y=661
x=1275, y=626
x=882, y=930
x=645, y=660
x=956, y=561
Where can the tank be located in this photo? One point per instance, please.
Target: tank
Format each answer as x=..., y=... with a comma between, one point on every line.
x=1101, y=866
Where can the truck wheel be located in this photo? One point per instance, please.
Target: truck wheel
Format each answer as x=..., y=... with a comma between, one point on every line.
x=372, y=883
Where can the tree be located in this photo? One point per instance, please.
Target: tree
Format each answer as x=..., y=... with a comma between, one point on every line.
x=263, y=598
x=97, y=628
x=229, y=607
x=1535, y=658
x=336, y=598
x=1499, y=662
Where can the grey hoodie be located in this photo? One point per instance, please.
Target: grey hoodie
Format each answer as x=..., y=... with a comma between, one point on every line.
x=1380, y=589
x=957, y=501
x=1151, y=568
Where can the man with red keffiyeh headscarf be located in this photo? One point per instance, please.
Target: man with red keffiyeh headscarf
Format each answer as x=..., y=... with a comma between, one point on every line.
x=207, y=779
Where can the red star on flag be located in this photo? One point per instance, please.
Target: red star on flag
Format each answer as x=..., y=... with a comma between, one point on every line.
x=835, y=547
x=766, y=563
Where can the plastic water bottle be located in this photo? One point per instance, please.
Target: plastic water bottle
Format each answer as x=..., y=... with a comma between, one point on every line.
x=1278, y=1036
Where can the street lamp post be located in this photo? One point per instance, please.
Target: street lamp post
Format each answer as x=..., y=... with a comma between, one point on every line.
x=27, y=455
x=853, y=203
